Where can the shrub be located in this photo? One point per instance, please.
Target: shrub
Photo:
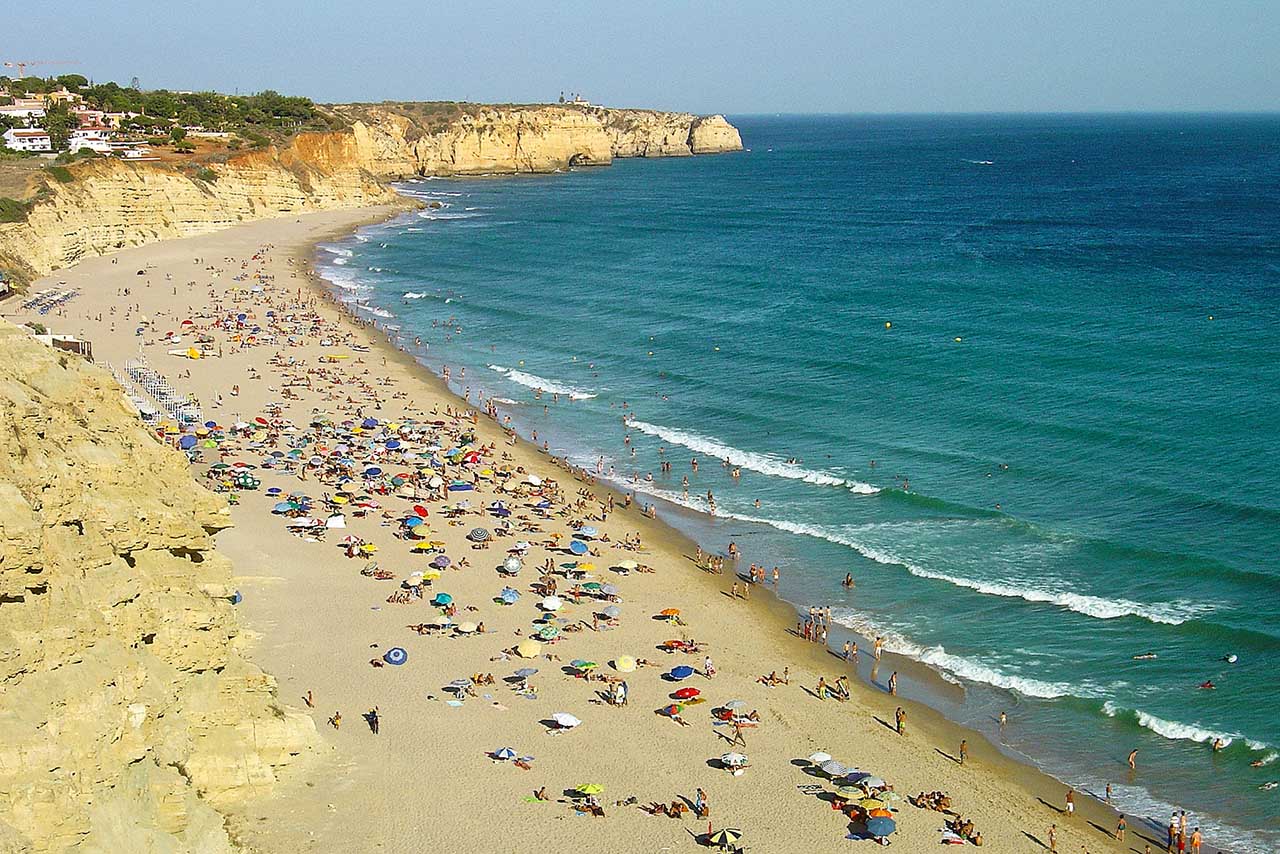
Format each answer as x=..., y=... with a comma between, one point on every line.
x=206, y=174
x=62, y=173
x=12, y=210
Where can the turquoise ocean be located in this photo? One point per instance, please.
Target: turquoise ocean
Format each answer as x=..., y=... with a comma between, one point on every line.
x=1019, y=376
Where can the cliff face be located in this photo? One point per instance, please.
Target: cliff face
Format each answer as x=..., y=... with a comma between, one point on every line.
x=111, y=204
x=127, y=711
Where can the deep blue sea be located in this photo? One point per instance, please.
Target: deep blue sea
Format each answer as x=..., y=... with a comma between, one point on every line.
x=1028, y=369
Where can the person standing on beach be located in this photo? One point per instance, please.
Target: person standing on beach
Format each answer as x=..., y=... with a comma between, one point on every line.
x=1121, y=826
x=1108, y=793
x=893, y=684
x=1053, y=838
x=847, y=644
x=964, y=750
x=879, y=647
x=373, y=718
x=1196, y=840
x=1071, y=802
x=900, y=718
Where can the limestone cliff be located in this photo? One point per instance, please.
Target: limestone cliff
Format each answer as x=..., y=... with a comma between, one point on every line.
x=110, y=204
x=128, y=713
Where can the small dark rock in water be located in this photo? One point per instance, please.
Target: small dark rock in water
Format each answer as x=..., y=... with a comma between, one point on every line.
x=435, y=205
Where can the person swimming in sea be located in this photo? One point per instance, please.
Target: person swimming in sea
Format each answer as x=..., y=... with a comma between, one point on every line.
x=1145, y=656
x=848, y=580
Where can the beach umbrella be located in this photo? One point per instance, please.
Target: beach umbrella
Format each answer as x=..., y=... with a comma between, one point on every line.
x=435, y=482
x=526, y=672
x=186, y=443
x=414, y=521
x=684, y=671
x=819, y=757
x=509, y=595
x=873, y=782
x=627, y=565
x=589, y=789
x=592, y=585
x=478, y=535
x=415, y=579
x=533, y=480
x=846, y=789
x=872, y=804
x=735, y=704
x=396, y=655
x=881, y=826
x=548, y=633
x=880, y=813
x=686, y=693
x=551, y=603
x=673, y=709
x=440, y=561
x=734, y=759
x=832, y=768
x=512, y=565
x=725, y=837
x=624, y=664
x=442, y=599
x=582, y=664
x=466, y=628
x=578, y=547
x=587, y=532
x=565, y=720
x=669, y=612
x=528, y=648
x=609, y=590
x=504, y=753
x=612, y=612
x=369, y=423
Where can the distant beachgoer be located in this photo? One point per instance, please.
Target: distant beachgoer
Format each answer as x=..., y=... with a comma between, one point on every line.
x=1196, y=841
x=374, y=720
x=900, y=718
x=893, y=684
x=964, y=750
x=1004, y=719
x=1121, y=826
x=1108, y=793
x=1071, y=802
x=1133, y=759
x=1053, y=837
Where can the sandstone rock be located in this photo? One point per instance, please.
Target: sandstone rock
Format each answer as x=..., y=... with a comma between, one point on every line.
x=127, y=711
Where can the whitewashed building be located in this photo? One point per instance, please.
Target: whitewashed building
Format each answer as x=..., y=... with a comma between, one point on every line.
x=27, y=139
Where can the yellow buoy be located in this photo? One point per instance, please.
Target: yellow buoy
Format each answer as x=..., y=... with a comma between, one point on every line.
x=888, y=325
x=717, y=349
x=1211, y=317
x=958, y=339
x=650, y=352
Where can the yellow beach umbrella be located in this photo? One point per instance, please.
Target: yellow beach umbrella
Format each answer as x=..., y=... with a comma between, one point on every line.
x=625, y=664
x=368, y=548
x=528, y=649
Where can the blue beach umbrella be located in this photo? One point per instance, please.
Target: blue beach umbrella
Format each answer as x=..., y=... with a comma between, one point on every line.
x=396, y=655
x=186, y=443
x=372, y=471
x=578, y=547
x=283, y=507
x=369, y=423
x=504, y=753
x=881, y=826
x=684, y=671
x=509, y=595
x=393, y=444
x=587, y=532
x=413, y=521
x=442, y=599
x=275, y=490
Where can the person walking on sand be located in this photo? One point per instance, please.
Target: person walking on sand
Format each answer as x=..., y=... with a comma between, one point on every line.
x=1053, y=838
x=893, y=684
x=700, y=806
x=1121, y=826
x=1196, y=841
x=739, y=737
x=1071, y=802
x=374, y=720
x=964, y=750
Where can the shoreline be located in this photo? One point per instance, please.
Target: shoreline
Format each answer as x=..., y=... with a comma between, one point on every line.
x=764, y=621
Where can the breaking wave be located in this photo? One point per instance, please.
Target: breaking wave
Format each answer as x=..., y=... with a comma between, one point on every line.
x=534, y=381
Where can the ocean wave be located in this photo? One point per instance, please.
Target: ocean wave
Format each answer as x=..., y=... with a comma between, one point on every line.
x=1091, y=606
x=1178, y=731
x=957, y=665
x=534, y=381
x=336, y=250
x=762, y=463
x=414, y=294
x=340, y=261
x=374, y=310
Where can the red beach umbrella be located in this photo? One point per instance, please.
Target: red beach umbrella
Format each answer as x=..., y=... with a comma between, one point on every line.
x=686, y=693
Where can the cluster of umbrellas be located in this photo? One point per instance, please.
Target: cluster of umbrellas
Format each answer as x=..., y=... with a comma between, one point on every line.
x=850, y=781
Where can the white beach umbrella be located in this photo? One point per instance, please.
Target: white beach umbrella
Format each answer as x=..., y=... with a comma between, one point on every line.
x=565, y=720
x=820, y=757
x=734, y=759
x=551, y=603
x=833, y=768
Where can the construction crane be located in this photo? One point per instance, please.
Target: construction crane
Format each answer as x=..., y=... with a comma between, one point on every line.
x=23, y=66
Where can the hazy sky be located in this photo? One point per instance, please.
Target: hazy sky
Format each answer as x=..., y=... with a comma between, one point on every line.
x=732, y=57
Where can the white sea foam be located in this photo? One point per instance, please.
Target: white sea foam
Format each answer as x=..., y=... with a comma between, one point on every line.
x=1091, y=606
x=414, y=294
x=763, y=463
x=336, y=250
x=374, y=310
x=340, y=261
x=549, y=386
x=1178, y=731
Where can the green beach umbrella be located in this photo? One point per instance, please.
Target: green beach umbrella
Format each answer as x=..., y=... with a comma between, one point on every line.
x=590, y=789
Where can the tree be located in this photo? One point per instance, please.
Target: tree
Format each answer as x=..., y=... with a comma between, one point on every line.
x=177, y=133
x=72, y=82
x=59, y=121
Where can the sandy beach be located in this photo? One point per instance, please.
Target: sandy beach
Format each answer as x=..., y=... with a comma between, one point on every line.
x=427, y=779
